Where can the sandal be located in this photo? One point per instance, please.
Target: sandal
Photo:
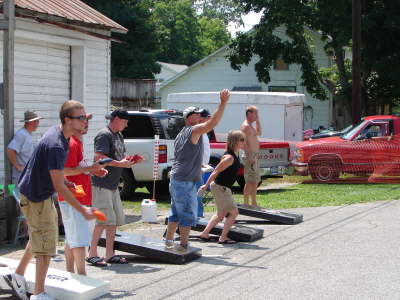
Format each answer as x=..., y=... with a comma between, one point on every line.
x=96, y=261
x=227, y=241
x=117, y=259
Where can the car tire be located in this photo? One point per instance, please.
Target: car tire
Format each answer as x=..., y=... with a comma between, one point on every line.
x=162, y=187
x=325, y=170
x=127, y=185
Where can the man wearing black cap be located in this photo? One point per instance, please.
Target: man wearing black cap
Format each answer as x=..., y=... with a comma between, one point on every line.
x=186, y=172
x=109, y=143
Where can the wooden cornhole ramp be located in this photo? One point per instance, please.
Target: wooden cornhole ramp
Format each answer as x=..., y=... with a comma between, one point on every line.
x=271, y=215
x=237, y=233
x=60, y=284
x=151, y=248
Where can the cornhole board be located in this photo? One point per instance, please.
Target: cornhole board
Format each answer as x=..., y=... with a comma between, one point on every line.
x=237, y=233
x=271, y=215
x=60, y=284
x=151, y=248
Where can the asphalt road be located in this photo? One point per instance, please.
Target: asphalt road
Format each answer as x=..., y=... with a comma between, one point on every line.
x=346, y=252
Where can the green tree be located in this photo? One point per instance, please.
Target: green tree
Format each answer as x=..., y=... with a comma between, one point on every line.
x=177, y=31
x=136, y=56
x=224, y=10
x=380, y=39
x=213, y=35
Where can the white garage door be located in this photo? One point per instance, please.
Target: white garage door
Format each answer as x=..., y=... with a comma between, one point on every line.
x=42, y=80
x=42, y=83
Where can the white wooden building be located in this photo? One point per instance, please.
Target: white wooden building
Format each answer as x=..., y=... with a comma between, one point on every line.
x=167, y=72
x=214, y=73
x=62, y=52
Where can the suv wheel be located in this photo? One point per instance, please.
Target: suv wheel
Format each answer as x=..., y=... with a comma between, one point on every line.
x=162, y=187
x=127, y=185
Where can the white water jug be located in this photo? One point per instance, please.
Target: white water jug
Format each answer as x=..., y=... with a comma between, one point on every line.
x=149, y=210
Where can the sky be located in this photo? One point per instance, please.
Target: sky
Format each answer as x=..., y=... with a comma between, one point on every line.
x=249, y=21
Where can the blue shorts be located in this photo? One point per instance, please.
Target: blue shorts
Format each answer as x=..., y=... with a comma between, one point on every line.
x=76, y=227
x=183, y=202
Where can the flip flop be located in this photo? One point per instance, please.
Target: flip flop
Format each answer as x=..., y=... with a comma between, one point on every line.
x=228, y=241
x=96, y=261
x=204, y=239
x=117, y=259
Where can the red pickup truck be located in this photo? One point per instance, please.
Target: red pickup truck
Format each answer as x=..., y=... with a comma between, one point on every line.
x=371, y=147
x=273, y=157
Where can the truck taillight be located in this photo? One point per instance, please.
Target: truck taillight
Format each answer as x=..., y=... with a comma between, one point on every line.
x=162, y=154
x=300, y=155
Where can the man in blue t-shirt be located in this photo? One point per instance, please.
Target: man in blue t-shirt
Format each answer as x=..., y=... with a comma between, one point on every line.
x=42, y=176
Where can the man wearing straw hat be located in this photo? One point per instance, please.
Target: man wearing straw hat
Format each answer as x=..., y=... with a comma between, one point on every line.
x=20, y=149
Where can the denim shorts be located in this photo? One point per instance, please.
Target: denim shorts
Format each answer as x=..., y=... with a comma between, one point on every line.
x=76, y=227
x=183, y=202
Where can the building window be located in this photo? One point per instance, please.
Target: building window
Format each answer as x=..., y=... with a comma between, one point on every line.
x=280, y=65
x=291, y=89
x=247, y=88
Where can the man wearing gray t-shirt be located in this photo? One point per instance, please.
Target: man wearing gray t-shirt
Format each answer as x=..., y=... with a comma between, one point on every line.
x=186, y=171
x=109, y=143
x=20, y=149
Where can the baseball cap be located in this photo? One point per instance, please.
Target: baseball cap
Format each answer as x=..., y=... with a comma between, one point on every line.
x=188, y=111
x=120, y=113
x=205, y=113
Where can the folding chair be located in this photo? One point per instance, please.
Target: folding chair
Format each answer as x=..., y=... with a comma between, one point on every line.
x=20, y=231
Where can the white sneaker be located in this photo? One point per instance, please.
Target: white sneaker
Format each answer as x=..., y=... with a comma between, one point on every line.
x=180, y=248
x=42, y=296
x=18, y=285
x=169, y=244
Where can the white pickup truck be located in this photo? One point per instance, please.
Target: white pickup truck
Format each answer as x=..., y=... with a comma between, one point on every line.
x=139, y=139
x=143, y=125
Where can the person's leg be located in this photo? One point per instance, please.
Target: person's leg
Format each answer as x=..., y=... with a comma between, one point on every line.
x=253, y=193
x=229, y=221
x=171, y=228
x=97, y=232
x=69, y=259
x=184, y=234
x=79, y=258
x=215, y=219
x=246, y=193
x=25, y=259
x=42, y=265
x=110, y=237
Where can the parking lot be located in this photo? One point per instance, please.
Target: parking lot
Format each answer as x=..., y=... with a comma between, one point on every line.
x=344, y=252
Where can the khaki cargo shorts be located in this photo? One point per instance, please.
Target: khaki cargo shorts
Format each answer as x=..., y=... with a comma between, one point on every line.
x=42, y=222
x=109, y=202
x=223, y=197
x=252, y=171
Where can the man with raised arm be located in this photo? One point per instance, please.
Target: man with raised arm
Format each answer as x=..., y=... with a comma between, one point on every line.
x=250, y=159
x=186, y=171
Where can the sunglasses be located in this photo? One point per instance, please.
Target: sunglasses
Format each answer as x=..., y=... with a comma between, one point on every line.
x=81, y=117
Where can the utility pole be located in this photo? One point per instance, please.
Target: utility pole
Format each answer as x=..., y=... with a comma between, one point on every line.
x=356, y=64
x=8, y=26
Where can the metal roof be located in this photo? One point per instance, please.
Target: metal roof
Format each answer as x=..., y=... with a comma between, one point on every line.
x=74, y=11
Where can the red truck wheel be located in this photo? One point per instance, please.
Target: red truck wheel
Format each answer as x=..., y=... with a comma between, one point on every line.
x=324, y=171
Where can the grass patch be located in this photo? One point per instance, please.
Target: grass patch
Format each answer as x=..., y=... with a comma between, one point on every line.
x=298, y=195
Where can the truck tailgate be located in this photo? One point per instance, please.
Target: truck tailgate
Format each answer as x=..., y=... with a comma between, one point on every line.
x=273, y=154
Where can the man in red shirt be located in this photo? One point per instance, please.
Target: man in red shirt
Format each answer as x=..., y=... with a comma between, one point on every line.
x=77, y=229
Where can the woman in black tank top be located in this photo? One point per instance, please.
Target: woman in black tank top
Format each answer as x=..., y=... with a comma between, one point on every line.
x=221, y=181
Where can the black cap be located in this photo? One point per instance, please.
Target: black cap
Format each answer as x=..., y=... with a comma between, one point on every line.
x=205, y=113
x=120, y=113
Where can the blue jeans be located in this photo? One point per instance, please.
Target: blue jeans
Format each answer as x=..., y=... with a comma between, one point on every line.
x=183, y=202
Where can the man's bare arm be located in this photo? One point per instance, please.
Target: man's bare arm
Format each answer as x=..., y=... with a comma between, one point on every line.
x=57, y=178
x=12, y=157
x=258, y=126
x=200, y=129
x=80, y=170
x=124, y=163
